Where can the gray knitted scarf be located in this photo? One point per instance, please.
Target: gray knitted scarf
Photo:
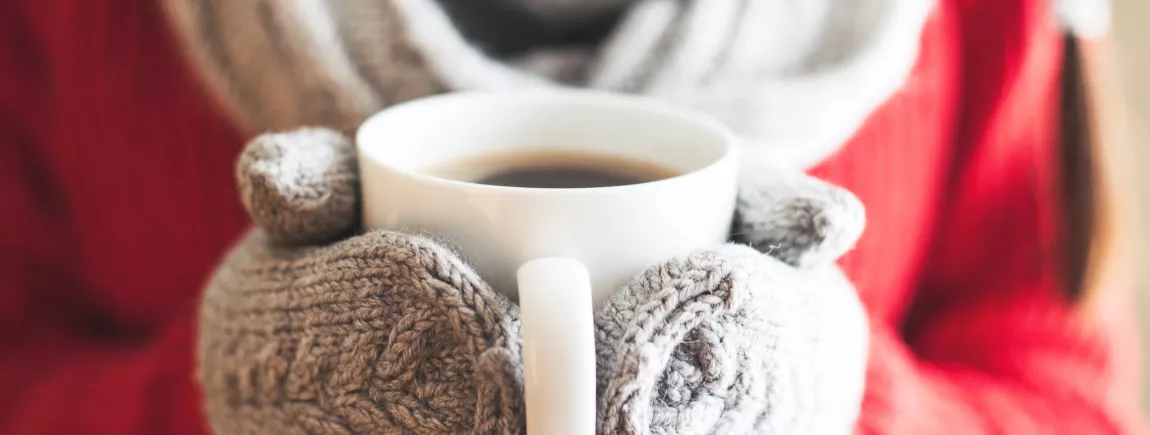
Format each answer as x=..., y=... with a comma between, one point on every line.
x=796, y=78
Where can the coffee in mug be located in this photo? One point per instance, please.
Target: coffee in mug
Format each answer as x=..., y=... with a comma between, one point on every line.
x=551, y=169
x=664, y=184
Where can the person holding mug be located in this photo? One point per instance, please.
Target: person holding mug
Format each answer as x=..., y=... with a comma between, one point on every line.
x=424, y=341
x=966, y=306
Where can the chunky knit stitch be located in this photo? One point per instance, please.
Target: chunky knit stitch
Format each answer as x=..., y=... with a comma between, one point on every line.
x=381, y=333
x=390, y=332
x=783, y=74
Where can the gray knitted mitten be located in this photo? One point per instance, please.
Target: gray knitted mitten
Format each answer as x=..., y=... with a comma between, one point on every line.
x=384, y=332
x=730, y=341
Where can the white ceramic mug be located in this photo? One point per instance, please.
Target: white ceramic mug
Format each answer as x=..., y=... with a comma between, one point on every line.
x=560, y=252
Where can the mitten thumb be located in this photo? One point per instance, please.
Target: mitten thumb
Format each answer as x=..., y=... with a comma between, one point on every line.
x=300, y=186
x=796, y=218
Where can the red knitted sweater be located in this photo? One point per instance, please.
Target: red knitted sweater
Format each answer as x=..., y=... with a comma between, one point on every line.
x=116, y=194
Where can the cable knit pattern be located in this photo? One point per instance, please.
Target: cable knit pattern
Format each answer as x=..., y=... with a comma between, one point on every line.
x=730, y=341
x=381, y=333
x=391, y=332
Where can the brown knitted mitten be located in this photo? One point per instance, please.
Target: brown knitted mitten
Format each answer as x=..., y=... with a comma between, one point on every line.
x=378, y=333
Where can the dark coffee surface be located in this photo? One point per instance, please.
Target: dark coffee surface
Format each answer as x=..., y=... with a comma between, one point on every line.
x=560, y=178
x=552, y=170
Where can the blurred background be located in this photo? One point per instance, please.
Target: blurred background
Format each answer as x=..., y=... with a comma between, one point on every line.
x=1133, y=34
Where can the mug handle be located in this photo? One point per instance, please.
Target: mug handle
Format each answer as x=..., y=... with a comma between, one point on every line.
x=558, y=347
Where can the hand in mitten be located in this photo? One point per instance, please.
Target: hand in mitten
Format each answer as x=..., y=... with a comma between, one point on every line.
x=388, y=332
x=377, y=333
x=729, y=340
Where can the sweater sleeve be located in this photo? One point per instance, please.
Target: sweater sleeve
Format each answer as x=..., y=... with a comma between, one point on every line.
x=58, y=382
x=1020, y=367
x=59, y=372
x=990, y=345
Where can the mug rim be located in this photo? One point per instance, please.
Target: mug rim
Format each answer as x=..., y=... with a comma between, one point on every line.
x=727, y=155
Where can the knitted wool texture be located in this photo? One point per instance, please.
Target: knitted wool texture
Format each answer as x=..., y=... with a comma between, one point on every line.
x=784, y=74
x=795, y=78
x=387, y=332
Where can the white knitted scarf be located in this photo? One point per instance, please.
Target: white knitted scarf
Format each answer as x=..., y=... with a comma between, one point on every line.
x=795, y=78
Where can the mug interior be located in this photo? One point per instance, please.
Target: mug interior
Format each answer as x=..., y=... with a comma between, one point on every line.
x=439, y=130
